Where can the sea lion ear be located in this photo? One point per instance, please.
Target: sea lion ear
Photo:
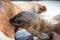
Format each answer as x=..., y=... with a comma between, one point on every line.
x=38, y=8
x=42, y=8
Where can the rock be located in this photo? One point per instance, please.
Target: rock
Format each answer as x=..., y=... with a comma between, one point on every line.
x=23, y=35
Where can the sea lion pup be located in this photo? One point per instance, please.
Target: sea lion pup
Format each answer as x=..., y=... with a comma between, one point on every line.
x=27, y=20
x=33, y=24
x=31, y=7
x=6, y=12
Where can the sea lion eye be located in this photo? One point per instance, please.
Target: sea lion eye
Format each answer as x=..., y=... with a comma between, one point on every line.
x=17, y=20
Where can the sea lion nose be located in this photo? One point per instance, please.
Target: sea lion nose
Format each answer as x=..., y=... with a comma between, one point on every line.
x=15, y=20
x=12, y=20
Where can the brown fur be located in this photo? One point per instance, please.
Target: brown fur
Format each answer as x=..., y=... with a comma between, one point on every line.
x=36, y=25
x=30, y=22
x=6, y=12
x=31, y=7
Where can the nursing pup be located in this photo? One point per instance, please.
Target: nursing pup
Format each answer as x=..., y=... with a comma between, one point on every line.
x=6, y=12
x=26, y=20
x=37, y=26
x=29, y=21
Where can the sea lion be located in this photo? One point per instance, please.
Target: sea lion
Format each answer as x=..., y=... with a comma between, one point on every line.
x=31, y=7
x=6, y=12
